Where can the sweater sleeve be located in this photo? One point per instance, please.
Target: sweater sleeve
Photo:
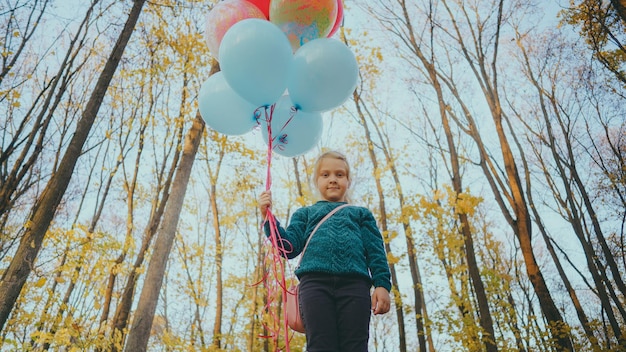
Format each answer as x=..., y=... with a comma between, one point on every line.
x=292, y=238
x=376, y=255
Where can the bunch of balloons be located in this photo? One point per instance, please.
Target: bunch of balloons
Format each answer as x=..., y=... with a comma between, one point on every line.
x=279, y=69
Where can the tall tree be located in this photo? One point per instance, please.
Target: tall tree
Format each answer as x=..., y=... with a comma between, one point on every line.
x=105, y=184
x=27, y=128
x=376, y=170
x=376, y=141
x=144, y=315
x=214, y=174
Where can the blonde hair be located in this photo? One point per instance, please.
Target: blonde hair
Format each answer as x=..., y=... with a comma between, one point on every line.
x=331, y=154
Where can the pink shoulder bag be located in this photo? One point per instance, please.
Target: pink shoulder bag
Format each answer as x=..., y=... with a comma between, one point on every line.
x=292, y=309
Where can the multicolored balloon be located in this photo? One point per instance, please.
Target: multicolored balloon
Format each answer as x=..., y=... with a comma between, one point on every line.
x=338, y=21
x=304, y=20
x=263, y=5
x=223, y=16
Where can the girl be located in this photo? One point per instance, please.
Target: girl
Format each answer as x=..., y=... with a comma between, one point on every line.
x=345, y=257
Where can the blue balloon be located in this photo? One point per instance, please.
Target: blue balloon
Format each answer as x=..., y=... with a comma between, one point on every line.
x=323, y=75
x=223, y=109
x=294, y=132
x=255, y=56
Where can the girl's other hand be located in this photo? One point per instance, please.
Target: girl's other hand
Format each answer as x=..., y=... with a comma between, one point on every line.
x=381, y=302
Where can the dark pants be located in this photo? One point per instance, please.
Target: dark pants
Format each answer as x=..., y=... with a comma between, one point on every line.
x=336, y=312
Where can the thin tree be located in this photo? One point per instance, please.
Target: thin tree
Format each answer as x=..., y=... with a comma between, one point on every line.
x=385, y=230
x=219, y=254
x=477, y=44
x=365, y=119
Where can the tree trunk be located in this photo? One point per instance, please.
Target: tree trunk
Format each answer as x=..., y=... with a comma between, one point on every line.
x=620, y=8
x=486, y=321
x=219, y=258
x=123, y=311
x=14, y=278
x=523, y=232
x=219, y=255
x=142, y=322
x=384, y=228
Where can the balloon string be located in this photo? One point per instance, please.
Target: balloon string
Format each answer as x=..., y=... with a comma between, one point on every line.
x=270, y=142
x=282, y=137
x=292, y=114
x=276, y=253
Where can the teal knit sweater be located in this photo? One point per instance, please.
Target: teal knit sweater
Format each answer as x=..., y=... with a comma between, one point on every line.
x=348, y=243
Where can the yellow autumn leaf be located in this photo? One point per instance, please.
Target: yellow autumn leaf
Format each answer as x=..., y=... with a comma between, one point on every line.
x=392, y=259
x=40, y=282
x=301, y=201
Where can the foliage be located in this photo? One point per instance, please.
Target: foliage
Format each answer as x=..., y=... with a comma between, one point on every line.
x=603, y=29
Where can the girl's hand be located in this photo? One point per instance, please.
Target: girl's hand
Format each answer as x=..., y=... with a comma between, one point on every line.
x=265, y=202
x=381, y=302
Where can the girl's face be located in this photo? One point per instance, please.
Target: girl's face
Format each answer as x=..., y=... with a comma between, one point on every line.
x=332, y=179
